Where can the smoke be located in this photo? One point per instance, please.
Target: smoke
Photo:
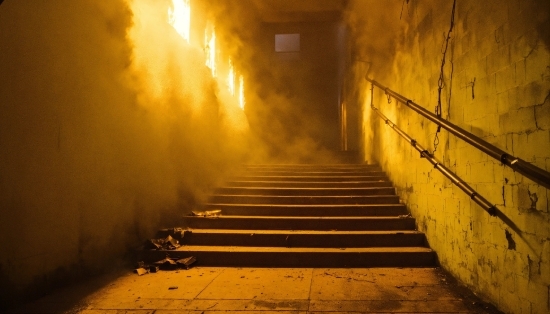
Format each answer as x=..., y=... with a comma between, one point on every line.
x=291, y=117
x=110, y=126
x=377, y=32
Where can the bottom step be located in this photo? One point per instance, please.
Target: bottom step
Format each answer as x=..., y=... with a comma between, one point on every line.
x=301, y=257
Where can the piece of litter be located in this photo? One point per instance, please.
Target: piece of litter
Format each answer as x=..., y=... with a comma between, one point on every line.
x=172, y=288
x=186, y=262
x=166, y=264
x=140, y=271
x=167, y=243
x=171, y=243
x=405, y=216
x=177, y=233
x=208, y=213
x=153, y=268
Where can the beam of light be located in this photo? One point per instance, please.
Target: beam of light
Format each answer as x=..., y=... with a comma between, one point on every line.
x=179, y=16
x=241, y=92
x=231, y=78
x=210, y=50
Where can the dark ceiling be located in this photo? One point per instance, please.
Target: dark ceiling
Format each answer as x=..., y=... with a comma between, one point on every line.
x=282, y=11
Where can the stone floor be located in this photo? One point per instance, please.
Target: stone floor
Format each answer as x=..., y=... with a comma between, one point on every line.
x=266, y=290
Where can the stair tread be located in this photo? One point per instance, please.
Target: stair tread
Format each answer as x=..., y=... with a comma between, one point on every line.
x=298, y=232
x=303, y=217
x=259, y=249
x=308, y=189
x=345, y=165
x=305, y=205
x=343, y=184
x=365, y=176
x=303, y=196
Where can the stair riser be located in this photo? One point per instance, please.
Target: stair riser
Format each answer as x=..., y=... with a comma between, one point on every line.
x=298, y=259
x=282, y=184
x=334, y=211
x=316, y=174
x=315, y=168
x=303, y=200
x=312, y=179
x=306, y=192
x=306, y=240
x=342, y=224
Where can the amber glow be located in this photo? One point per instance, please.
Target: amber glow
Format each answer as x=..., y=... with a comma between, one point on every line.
x=231, y=78
x=241, y=92
x=210, y=49
x=179, y=16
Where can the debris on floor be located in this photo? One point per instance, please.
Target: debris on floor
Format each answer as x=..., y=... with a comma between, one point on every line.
x=208, y=213
x=165, y=264
x=186, y=262
x=154, y=268
x=168, y=243
x=405, y=216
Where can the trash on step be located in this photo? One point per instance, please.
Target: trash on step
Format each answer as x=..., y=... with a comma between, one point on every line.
x=186, y=262
x=405, y=216
x=171, y=243
x=140, y=271
x=177, y=233
x=153, y=244
x=208, y=213
x=167, y=243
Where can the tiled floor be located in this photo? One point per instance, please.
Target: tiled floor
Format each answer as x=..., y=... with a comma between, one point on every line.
x=266, y=290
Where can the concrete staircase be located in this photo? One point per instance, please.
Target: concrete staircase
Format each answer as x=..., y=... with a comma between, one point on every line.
x=305, y=216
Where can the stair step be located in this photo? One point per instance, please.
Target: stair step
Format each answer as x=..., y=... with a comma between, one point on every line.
x=313, y=184
x=301, y=257
x=334, y=215
x=309, y=210
x=306, y=167
x=300, y=223
x=311, y=200
x=275, y=191
x=301, y=238
x=291, y=173
x=298, y=178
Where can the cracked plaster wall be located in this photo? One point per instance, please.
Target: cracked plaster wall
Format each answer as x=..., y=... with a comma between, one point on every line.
x=497, y=86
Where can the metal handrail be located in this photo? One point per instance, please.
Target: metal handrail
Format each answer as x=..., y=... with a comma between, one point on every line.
x=480, y=200
x=532, y=172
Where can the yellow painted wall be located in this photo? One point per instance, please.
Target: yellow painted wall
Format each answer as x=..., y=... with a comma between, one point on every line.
x=499, y=57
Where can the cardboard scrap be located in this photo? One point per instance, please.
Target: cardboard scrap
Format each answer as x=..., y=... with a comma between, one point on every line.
x=177, y=233
x=165, y=264
x=167, y=243
x=186, y=262
x=208, y=213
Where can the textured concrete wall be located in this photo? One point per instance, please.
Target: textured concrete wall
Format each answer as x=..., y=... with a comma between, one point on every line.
x=497, y=86
x=107, y=132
